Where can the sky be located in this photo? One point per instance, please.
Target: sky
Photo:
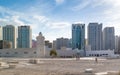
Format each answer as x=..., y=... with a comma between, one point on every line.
x=54, y=17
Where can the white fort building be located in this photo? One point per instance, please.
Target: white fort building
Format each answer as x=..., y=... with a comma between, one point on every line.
x=41, y=51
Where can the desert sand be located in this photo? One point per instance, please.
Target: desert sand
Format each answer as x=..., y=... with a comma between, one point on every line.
x=59, y=66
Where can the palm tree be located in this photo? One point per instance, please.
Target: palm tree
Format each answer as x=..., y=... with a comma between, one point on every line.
x=53, y=53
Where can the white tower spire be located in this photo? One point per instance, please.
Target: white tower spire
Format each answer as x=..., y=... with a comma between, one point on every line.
x=40, y=45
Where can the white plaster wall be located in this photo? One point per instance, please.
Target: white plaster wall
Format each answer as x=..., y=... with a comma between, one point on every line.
x=20, y=52
x=110, y=53
x=31, y=54
x=66, y=52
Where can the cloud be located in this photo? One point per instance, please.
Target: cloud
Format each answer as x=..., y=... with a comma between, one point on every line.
x=111, y=15
x=54, y=33
x=79, y=22
x=59, y=1
x=84, y=4
x=114, y=10
x=59, y=25
x=6, y=11
x=38, y=23
x=109, y=12
x=81, y=6
x=13, y=20
x=17, y=20
x=42, y=19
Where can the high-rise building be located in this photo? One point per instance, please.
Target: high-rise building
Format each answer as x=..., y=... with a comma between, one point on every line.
x=48, y=44
x=34, y=43
x=78, y=36
x=1, y=34
x=24, y=37
x=54, y=44
x=95, y=36
x=62, y=42
x=108, y=38
x=116, y=43
x=9, y=34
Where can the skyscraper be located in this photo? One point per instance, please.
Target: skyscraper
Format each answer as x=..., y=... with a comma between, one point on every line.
x=34, y=43
x=9, y=34
x=1, y=34
x=48, y=44
x=78, y=36
x=54, y=44
x=24, y=37
x=116, y=43
x=109, y=38
x=95, y=36
x=62, y=42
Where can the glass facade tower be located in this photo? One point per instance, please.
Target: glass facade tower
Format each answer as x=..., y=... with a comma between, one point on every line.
x=78, y=36
x=24, y=37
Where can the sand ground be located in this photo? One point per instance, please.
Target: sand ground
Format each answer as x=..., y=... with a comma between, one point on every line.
x=67, y=66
